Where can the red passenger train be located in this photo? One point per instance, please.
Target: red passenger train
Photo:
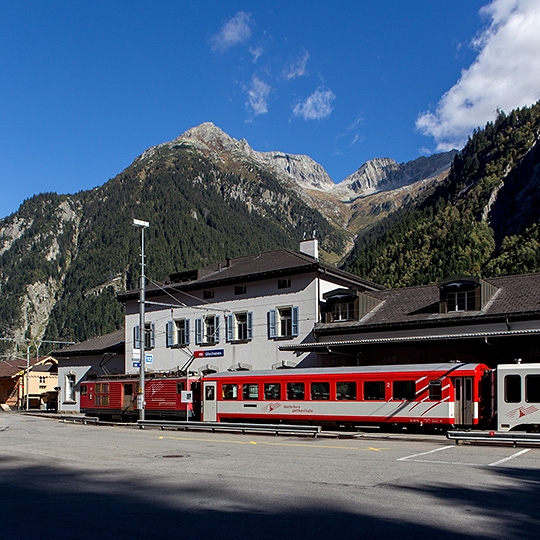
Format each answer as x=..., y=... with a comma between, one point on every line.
x=426, y=394
x=429, y=394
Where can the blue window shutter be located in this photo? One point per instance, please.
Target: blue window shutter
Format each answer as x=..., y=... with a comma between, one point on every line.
x=295, y=321
x=136, y=337
x=250, y=325
x=170, y=333
x=272, y=318
x=229, y=327
x=152, y=335
x=187, y=331
x=198, y=331
x=216, y=336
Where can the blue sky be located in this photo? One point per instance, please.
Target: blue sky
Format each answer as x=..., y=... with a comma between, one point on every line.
x=87, y=86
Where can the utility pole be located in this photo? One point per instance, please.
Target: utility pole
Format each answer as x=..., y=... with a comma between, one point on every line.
x=142, y=330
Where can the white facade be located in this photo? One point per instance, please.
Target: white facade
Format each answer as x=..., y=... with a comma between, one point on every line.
x=72, y=371
x=244, y=326
x=76, y=363
x=228, y=323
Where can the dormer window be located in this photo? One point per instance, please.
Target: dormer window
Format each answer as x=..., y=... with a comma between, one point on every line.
x=461, y=301
x=464, y=293
x=346, y=305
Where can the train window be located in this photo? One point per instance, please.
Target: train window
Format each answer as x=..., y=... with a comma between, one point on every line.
x=296, y=390
x=180, y=386
x=512, y=388
x=84, y=390
x=250, y=391
x=404, y=390
x=532, y=388
x=468, y=389
x=272, y=391
x=346, y=390
x=435, y=390
x=102, y=399
x=209, y=393
x=229, y=391
x=320, y=390
x=374, y=390
x=102, y=388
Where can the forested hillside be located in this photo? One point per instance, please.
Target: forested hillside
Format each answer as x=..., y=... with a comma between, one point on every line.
x=64, y=258
x=483, y=220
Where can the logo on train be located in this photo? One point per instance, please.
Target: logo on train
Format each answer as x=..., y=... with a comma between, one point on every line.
x=271, y=407
x=522, y=411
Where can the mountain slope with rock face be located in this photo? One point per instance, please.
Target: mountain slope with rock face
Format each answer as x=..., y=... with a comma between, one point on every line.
x=207, y=196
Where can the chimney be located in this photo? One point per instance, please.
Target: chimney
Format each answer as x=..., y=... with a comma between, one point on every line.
x=310, y=247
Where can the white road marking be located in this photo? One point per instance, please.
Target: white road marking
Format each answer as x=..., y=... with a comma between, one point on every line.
x=496, y=463
x=407, y=458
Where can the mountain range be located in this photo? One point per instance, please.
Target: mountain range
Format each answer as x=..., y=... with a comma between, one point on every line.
x=209, y=196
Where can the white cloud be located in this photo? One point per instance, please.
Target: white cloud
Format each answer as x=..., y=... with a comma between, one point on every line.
x=235, y=31
x=297, y=68
x=256, y=53
x=315, y=107
x=258, y=95
x=505, y=75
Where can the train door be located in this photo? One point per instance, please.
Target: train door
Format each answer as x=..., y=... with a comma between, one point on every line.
x=463, y=400
x=209, y=405
x=127, y=397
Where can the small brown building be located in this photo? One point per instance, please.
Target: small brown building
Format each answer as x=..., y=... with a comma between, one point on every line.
x=38, y=383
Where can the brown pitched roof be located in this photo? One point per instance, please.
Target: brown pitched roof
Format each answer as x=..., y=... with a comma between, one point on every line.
x=248, y=268
x=12, y=366
x=107, y=343
x=516, y=295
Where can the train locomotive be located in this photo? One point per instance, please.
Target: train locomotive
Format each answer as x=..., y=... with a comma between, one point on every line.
x=424, y=395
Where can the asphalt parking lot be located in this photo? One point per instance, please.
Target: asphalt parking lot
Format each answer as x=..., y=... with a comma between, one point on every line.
x=87, y=481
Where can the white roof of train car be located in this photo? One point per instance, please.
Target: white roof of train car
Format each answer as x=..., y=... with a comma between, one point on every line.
x=401, y=368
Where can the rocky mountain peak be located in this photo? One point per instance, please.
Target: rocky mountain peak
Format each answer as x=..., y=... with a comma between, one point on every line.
x=208, y=137
x=370, y=175
x=385, y=174
x=211, y=140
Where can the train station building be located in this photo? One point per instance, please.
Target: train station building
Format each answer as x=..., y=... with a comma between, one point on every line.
x=285, y=309
x=460, y=319
x=236, y=315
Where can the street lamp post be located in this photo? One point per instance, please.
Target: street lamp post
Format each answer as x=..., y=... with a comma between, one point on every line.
x=142, y=330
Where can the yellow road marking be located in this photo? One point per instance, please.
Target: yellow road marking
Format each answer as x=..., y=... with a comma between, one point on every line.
x=335, y=447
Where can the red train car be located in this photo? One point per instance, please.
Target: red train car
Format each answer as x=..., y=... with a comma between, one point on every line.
x=116, y=398
x=427, y=394
x=424, y=394
x=451, y=394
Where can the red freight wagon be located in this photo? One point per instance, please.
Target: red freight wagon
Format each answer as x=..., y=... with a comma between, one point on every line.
x=117, y=397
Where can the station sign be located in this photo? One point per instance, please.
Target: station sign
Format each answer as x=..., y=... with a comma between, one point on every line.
x=209, y=354
x=186, y=396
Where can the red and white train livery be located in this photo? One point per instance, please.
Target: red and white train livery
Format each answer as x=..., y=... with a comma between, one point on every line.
x=443, y=394
x=449, y=394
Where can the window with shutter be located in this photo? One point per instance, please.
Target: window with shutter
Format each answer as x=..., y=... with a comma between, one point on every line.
x=207, y=330
x=178, y=333
x=283, y=322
